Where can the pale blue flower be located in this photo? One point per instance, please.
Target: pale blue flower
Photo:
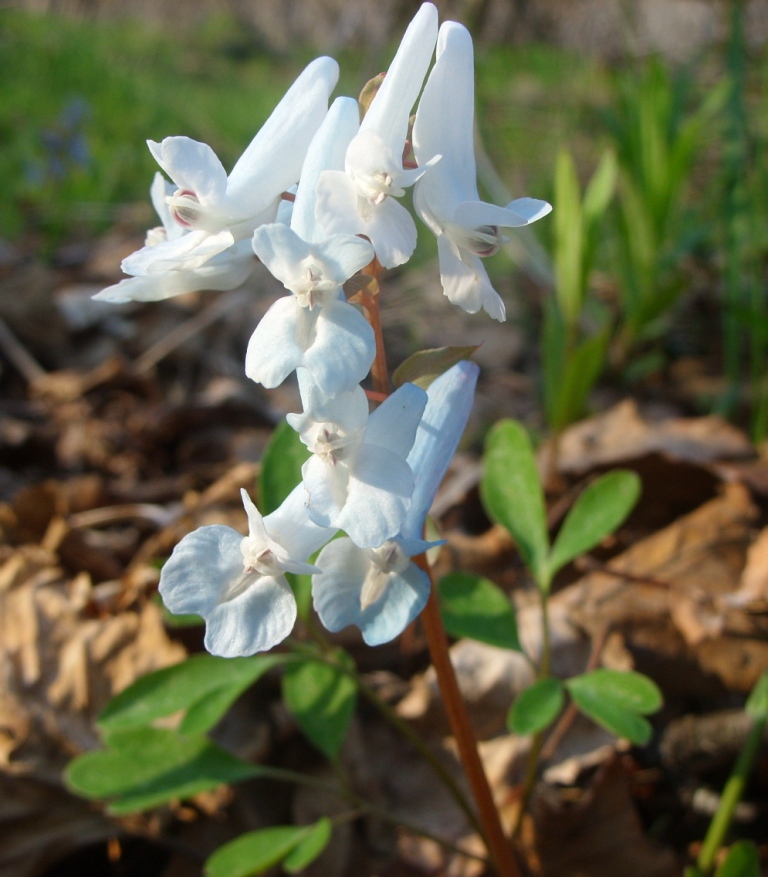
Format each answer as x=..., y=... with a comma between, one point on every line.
x=357, y=478
x=237, y=584
x=380, y=590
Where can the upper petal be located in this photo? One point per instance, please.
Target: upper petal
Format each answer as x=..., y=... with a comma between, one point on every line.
x=345, y=255
x=336, y=207
x=390, y=109
x=282, y=251
x=448, y=406
x=188, y=252
x=326, y=152
x=445, y=118
x=192, y=165
x=392, y=232
x=393, y=424
x=380, y=488
x=472, y=214
x=272, y=162
x=290, y=526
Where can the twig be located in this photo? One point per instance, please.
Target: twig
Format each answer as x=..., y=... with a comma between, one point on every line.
x=19, y=356
x=188, y=329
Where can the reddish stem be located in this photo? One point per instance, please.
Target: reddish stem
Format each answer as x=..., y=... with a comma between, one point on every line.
x=369, y=299
x=499, y=846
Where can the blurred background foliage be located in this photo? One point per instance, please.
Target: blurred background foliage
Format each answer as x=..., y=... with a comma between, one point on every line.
x=644, y=123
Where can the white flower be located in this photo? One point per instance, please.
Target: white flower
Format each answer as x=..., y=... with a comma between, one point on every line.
x=357, y=479
x=446, y=198
x=215, y=209
x=358, y=200
x=237, y=584
x=315, y=328
x=226, y=270
x=380, y=590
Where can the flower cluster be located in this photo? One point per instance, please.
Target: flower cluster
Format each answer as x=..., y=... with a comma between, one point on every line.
x=314, y=197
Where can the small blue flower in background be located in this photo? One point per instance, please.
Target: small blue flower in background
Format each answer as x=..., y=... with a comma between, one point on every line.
x=64, y=146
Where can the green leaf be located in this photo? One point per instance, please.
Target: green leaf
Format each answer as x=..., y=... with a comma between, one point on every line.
x=616, y=700
x=598, y=511
x=206, y=712
x=537, y=707
x=742, y=861
x=569, y=239
x=307, y=850
x=569, y=375
x=280, y=467
x=425, y=366
x=757, y=703
x=626, y=688
x=322, y=699
x=146, y=767
x=600, y=188
x=255, y=852
x=181, y=686
x=513, y=496
x=474, y=607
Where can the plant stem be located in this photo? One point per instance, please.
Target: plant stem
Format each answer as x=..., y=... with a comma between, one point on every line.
x=399, y=724
x=369, y=299
x=290, y=776
x=730, y=797
x=534, y=753
x=499, y=846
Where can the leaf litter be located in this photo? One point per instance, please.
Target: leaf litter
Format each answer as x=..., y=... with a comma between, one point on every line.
x=123, y=428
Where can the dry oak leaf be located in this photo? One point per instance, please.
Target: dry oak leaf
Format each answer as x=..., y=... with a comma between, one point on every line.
x=663, y=595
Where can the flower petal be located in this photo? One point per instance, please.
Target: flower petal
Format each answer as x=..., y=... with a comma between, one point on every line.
x=274, y=350
x=380, y=488
x=530, y=208
x=392, y=232
x=390, y=109
x=472, y=214
x=336, y=594
x=188, y=252
x=227, y=273
x=336, y=207
x=326, y=152
x=257, y=619
x=345, y=255
x=200, y=569
x=347, y=410
x=445, y=416
x=445, y=118
x=393, y=424
x=192, y=165
x=466, y=283
x=343, y=348
x=158, y=192
x=281, y=250
x=272, y=162
x=290, y=526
